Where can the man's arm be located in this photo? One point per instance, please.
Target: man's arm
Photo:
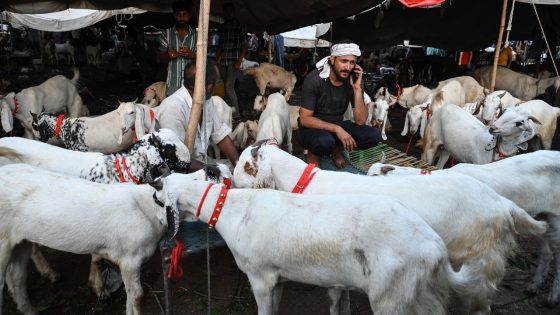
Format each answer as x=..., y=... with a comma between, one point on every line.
x=360, y=109
x=307, y=120
x=226, y=146
x=165, y=52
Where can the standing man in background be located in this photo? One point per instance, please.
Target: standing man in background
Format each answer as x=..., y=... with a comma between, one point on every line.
x=177, y=45
x=231, y=51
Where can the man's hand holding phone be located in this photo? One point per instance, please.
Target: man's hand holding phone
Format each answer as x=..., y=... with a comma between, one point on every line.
x=356, y=77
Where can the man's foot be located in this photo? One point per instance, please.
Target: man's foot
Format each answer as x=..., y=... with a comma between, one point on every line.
x=339, y=159
x=312, y=158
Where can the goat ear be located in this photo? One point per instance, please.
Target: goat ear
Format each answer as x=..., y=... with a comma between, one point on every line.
x=383, y=135
x=492, y=144
x=139, y=122
x=386, y=169
x=405, y=129
x=157, y=141
x=525, y=136
x=423, y=124
x=7, y=117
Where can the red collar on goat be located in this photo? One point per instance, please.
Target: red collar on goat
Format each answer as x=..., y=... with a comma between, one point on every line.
x=58, y=124
x=304, y=179
x=217, y=207
x=16, y=106
x=120, y=173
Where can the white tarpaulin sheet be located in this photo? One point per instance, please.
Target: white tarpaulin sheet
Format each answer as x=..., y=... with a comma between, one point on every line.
x=67, y=20
x=540, y=1
x=306, y=37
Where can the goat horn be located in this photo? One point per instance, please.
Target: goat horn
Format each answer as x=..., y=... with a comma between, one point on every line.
x=535, y=120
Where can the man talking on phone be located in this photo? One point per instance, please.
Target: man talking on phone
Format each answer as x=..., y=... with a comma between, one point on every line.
x=327, y=92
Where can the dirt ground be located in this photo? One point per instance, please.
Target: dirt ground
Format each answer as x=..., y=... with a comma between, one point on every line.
x=230, y=290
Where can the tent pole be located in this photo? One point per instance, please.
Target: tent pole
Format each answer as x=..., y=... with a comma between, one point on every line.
x=498, y=46
x=200, y=79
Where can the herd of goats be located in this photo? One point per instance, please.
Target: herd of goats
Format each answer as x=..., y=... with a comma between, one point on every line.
x=113, y=186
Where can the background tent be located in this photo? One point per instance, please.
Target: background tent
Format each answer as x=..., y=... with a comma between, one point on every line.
x=459, y=25
x=306, y=37
x=67, y=20
x=272, y=16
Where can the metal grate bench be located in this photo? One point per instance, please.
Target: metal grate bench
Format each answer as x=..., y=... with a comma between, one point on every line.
x=363, y=159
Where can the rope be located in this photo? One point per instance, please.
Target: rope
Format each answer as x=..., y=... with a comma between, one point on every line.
x=409, y=143
x=175, y=271
x=509, y=22
x=544, y=36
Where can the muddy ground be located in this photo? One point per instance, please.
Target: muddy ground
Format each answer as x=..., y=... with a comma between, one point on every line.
x=230, y=290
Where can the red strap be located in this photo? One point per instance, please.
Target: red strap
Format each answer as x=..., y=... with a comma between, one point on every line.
x=227, y=182
x=500, y=153
x=409, y=143
x=16, y=106
x=58, y=124
x=119, y=171
x=428, y=114
x=152, y=116
x=175, y=271
x=218, y=208
x=304, y=179
x=134, y=179
x=398, y=92
x=202, y=200
x=425, y=172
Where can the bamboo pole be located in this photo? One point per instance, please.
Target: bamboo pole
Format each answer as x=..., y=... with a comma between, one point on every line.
x=200, y=79
x=498, y=46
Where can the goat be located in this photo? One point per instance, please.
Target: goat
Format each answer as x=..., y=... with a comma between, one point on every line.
x=56, y=95
x=154, y=94
x=495, y=103
x=409, y=97
x=54, y=50
x=519, y=85
x=248, y=64
x=275, y=121
x=93, y=54
x=338, y=244
x=120, y=223
x=276, y=77
x=468, y=140
x=488, y=222
x=244, y=134
x=531, y=181
x=108, y=133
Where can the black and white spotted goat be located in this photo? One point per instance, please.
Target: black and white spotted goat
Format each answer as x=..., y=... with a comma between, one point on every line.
x=149, y=158
x=109, y=133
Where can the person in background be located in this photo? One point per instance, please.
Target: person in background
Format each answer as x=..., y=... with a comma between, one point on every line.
x=506, y=56
x=231, y=51
x=174, y=112
x=177, y=45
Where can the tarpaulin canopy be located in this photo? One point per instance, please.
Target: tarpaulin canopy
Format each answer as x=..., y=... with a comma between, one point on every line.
x=306, y=37
x=67, y=20
x=274, y=16
x=459, y=25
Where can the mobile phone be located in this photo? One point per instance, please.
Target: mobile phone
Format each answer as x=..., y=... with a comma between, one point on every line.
x=354, y=74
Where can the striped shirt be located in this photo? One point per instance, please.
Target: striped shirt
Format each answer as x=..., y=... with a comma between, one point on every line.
x=170, y=39
x=232, y=40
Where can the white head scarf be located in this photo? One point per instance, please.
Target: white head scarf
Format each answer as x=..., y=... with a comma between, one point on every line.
x=337, y=50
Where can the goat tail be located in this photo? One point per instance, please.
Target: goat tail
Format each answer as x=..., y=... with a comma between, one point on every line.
x=10, y=154
x=76, y=76
x=525, y=224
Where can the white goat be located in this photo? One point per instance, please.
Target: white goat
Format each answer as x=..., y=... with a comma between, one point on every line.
x=547, y=116
x=518, y=84
x=275, y=121
x=495, y=103
x=93, y=54
x=472, y=91
x=468, y=140
x=109, y=133
x=488, y=222
x=54, y=51
x=244, y=134
x=294, y=116
x=154, y=94
x=410, y=96
x=352, y=241
x=248, y=64
x=530, y=180
x=225, y=112
x=120, y=223
x=276, y=77
x=56, y=95
x=417, y=116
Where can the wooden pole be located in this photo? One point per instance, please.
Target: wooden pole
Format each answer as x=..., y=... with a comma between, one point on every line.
x=200, y=79
x=498, y=46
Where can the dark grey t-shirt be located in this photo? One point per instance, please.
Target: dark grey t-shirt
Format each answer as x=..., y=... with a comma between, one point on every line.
x=327, y=102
